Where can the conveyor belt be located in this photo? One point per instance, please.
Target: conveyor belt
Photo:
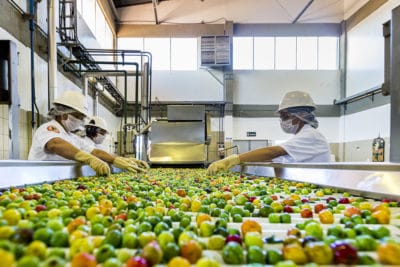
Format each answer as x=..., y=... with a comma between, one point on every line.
x=374, y=180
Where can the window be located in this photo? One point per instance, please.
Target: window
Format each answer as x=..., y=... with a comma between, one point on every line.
x=264, y=53
x=307, y=50
x=183, y=53
x=130, y=44
x=285, y=53
x=89, y=14
x=243, y=53
x=160, y=50
x=328, y=53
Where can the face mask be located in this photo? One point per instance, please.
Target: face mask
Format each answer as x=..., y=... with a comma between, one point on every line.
x=288, y=127
x=99, y=138
x=71, y=123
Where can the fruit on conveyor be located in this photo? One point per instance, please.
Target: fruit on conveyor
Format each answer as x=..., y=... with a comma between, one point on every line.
x=182, y=217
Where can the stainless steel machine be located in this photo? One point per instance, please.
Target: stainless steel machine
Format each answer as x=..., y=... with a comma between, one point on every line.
x=181, y=139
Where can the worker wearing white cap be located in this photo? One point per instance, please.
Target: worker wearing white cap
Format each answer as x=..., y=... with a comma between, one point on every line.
x=96, y=132
x=297, y=117
x=54, y=140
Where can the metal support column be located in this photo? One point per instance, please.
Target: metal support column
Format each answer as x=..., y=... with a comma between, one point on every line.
x=13, y=110
x=395, y=87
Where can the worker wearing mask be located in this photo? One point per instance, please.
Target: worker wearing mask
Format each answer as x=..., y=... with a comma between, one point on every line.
x=297, y=117
x=54, y=141
x=96, y=132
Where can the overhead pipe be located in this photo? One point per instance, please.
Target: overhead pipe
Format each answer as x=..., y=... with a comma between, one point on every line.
x=118, y=63
x=121, y=53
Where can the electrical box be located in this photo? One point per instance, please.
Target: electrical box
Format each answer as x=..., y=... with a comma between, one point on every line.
x=4, y=73
x=8, y=72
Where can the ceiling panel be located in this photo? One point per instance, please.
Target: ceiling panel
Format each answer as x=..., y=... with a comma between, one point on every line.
x=238, y=11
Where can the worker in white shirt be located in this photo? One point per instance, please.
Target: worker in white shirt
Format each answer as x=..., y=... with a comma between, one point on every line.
x=96, y=132
x=53, y=140
x=297, y=117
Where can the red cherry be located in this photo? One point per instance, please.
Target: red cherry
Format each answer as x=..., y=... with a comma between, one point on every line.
x=344, y=200
x=39, y=208
x=344, y=253
x=318, y=207
x=386, y=200
x=233, y=238
x=121, y=216
x=306, y=213
x=81, y=187
x=288, y=209
x=137, y=262
x=251, y=199
x=304, y=200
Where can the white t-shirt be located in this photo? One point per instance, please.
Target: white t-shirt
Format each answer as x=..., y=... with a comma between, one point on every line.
x=48, y=131
x=308, y=145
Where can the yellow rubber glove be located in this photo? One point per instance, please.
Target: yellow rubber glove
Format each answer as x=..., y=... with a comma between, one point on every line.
x=139, y=163
x=100, y=167
x=125, y=164
x=223, y=164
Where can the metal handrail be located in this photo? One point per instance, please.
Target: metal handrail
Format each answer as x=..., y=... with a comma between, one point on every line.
x=370, y=92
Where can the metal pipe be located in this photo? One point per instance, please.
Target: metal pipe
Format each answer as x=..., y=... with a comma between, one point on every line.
x=32, y=44
x=302, y=11
x=370, y=92
x=155, y=10
x=136, y=96
x=52, y=64
x=96, y=103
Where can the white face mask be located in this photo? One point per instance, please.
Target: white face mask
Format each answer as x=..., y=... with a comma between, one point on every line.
x=99, y=138
x=71, y=123
x=288, y=127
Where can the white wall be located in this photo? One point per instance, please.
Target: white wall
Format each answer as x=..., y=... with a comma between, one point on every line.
x=365, y=61
x=269, y=128
x=41, y=83
x=366, y=124
x=268, y=87
x=186, y=86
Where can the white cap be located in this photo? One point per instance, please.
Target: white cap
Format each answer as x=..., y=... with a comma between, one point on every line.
x=296, y=99
x=73, y=99
x=97, y=122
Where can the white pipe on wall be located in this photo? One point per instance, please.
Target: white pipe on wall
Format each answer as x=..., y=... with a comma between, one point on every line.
x=52, y=71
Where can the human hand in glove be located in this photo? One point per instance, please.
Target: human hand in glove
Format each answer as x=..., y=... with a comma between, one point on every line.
x=100, y=167
x=124, y=163
x=140, y=163
x=223, y=164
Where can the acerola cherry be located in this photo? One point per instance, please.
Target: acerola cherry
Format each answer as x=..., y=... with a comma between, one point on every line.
x=344, y=253
x=234, y=238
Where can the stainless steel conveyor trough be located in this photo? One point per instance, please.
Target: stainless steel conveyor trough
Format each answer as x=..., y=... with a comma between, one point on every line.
x=374, y=180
